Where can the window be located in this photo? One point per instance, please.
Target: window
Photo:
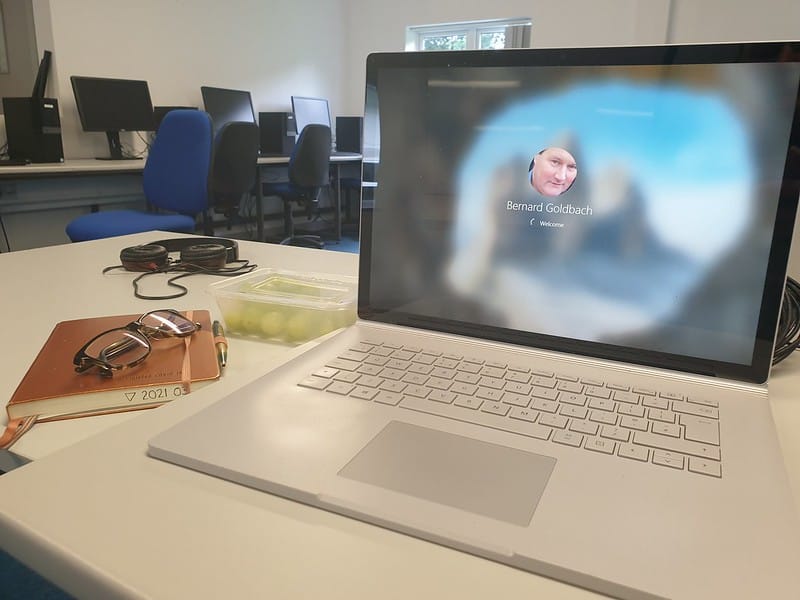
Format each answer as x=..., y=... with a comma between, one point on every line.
x=470, y=35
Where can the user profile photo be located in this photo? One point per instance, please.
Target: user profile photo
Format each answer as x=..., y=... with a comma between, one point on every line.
x=552, y=171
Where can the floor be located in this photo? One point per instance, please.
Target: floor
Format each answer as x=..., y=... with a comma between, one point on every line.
x=17, y=582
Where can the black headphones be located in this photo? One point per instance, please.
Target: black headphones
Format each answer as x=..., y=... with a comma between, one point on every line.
x=197, y=255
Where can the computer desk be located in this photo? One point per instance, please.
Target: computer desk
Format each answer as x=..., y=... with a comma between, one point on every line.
x=91, y=166
x=77, y=167
x=102, y=520
x=337, y=160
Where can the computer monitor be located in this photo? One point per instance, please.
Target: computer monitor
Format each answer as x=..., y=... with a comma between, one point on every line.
x=113, y=105
x=226, y=105
x=310, y=110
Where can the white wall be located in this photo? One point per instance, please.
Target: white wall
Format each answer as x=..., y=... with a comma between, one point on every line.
x=318, y=47
x=379, y=26
x=273, y=49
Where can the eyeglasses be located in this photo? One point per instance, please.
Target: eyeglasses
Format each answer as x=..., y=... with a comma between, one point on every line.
x=128, y=346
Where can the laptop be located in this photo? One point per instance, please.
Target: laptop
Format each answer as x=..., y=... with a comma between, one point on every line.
x=571, y=270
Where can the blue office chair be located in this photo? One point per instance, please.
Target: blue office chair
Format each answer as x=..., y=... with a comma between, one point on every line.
x=175, y=182
x=309, y=172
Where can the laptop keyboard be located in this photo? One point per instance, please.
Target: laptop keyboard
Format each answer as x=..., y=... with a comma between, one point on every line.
x=655, y=427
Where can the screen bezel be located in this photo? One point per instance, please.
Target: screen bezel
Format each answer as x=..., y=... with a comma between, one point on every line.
x=212, y=94
x=143, y=120
x=757, y=371
x=305, y=98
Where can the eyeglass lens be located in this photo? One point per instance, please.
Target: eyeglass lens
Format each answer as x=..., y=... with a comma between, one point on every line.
x=168, y=323
x=118, y=347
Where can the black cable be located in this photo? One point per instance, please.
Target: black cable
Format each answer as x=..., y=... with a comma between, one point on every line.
x=235, y=267
x=788, y=338
x=5, y=234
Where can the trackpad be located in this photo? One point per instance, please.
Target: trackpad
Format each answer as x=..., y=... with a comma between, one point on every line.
x=488, y=479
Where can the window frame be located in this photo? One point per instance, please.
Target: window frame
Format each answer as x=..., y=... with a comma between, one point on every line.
x=472, y=30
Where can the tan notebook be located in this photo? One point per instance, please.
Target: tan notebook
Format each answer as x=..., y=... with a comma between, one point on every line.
x=51, y=389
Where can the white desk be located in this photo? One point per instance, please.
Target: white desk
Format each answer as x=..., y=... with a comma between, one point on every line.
x=103, y=520
x=78, y=166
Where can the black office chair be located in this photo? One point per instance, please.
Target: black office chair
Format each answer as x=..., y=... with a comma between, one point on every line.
x=233, y=167
x=309, y=172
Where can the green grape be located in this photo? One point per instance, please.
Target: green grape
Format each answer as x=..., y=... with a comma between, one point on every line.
x=233, y=319
x=299, y=327
x=251, y=319
x=272, y=323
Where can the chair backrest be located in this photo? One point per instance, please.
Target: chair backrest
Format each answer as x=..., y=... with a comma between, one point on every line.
x=310, y=160
x=233, y=164
x=176, y=173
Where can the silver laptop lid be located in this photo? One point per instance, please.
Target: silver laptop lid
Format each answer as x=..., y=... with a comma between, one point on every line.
x=633, y=204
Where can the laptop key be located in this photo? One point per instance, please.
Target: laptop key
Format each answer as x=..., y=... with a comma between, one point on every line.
x=666, y=429
x=385, y=397
x=516, y=399
x=615, y=433
x=340, y=387
x=442, y=396
x=342, y=363
x=518, y=388
x=393, y=386
x=600, y=445
x=698, y=410
x=477, y=417
x=370, y=381
x=572, y=398
x=353, y=355
x=651, y=402
x=490, y=394
x=633, y=410
x=369, y=369
x=464, y=388
x=633, y=423
x=556, y=421
x=601, y=416
x=668, y=459
x=700, y=429
x=468, y=402
x=678, y=445
x=635, y=452
x=584, y=427
x=576, y=412
x=496, y=408
x=569, y=438
x=326, y=372
x=705, y=467
x=363, y=393
x=347, y=376
x=523, y=414
x=315, y=383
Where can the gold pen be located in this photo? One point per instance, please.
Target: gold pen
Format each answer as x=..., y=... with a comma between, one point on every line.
x=221, y=343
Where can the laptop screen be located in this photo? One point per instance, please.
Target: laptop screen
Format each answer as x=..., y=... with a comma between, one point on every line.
x=626, y=203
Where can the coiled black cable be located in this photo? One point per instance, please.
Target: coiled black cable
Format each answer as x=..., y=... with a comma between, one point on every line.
x=788, y=338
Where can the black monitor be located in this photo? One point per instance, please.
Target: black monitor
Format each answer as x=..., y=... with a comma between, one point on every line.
x=226, y=105
x=310, y=110
x=113, y=105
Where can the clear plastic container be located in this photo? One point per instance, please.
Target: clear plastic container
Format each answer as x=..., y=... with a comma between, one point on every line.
x=285, y=306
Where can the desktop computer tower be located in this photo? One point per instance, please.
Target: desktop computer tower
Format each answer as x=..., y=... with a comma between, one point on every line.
x=348, y=134
x=278, y=132
x=33, y=129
